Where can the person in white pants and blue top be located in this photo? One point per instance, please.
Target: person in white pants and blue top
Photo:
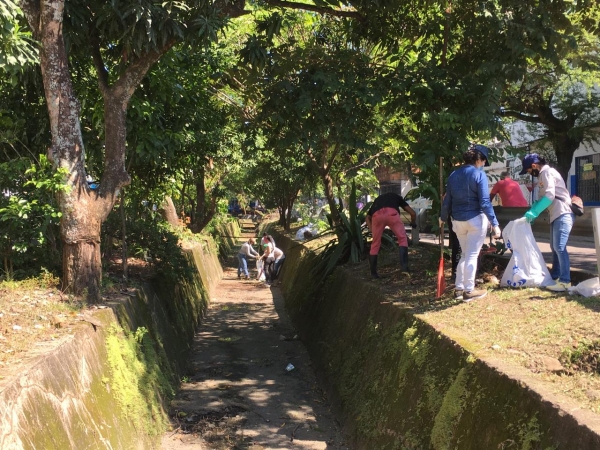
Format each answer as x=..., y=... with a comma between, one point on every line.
x=467, y=202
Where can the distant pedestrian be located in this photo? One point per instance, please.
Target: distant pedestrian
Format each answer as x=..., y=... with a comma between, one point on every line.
x=246, y=252
x=553, y=194
x=509, y=191
x=467, y=200
x=385, y=212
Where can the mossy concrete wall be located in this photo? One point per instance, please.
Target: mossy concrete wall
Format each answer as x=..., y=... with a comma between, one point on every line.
x=400, y=384
x=108, y=385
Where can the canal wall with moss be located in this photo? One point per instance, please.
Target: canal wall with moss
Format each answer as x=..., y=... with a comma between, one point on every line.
x=108, y=384
x=397, y=383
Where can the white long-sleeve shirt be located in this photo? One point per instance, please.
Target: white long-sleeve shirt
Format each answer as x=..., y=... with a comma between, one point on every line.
x=273, y=253
x=551, y=185
x=248, y=250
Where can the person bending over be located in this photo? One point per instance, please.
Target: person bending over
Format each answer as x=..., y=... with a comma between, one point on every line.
x=385, y=212
x=509, y=191
x=246, y=252
x=554, y=196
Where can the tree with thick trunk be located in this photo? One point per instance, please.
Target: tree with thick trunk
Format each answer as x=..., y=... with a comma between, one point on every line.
x=132, y=37
x=562, y=133
x=83, y=210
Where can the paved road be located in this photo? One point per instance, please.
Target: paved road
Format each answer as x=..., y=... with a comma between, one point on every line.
x=238, y=393
x=582, y=251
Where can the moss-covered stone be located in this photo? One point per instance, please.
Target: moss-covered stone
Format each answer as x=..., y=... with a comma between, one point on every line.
x=399, y=384
x=108, y=386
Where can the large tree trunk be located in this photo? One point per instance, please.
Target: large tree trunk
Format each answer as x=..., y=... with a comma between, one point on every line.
x=80, y=222
x=169, y=213
x=564, y=147
x=323, y=164
x=82, y=266
x=329, y=195
x=200, y=211
x=288, y=218
x=282, y=212
x=83, y=210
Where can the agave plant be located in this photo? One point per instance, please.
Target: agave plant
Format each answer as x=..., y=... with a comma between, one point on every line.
x=350, y=242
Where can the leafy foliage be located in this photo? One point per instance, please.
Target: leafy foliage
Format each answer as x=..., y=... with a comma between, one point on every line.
x=29, y=217
x=16, y=46
x=149, y=238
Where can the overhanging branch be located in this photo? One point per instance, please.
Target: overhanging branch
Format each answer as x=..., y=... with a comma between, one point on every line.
x=317, y=9
x=519, y=115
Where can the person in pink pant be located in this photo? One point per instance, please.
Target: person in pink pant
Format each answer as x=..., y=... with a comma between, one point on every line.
x=385, y=212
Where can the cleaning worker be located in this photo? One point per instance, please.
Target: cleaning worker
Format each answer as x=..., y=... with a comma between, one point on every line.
x=246, y=252
x=385, y=212
x=554, y=196
x=467, y=201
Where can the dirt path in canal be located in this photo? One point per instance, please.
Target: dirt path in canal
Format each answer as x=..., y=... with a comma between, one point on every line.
x=238, y=393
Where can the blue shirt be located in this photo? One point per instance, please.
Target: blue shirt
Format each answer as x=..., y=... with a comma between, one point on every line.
x=467, y=196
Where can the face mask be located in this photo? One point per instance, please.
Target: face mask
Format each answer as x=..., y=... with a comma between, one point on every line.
x=535, y=172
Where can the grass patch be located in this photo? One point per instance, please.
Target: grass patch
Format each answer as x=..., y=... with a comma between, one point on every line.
x=522, y=327
x=33, y=312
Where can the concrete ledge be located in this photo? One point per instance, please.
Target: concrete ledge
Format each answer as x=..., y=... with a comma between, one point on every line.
x=582, y=227
x=108, y=386
x=399, y=383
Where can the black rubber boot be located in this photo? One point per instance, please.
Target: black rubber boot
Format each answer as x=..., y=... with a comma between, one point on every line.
x=373, y=266
x=404, y=259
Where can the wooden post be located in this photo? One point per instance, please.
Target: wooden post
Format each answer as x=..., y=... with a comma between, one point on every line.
x=415, y=235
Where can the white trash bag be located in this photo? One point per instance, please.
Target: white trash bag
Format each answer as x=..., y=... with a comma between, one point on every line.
x=526, y=267
x=312, y=229
x=260, y=265
x=587, y=288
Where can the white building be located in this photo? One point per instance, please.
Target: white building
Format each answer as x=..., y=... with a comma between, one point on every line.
x=584, y=175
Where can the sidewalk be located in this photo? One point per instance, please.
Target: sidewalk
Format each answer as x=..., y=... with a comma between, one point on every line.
x=582, y=252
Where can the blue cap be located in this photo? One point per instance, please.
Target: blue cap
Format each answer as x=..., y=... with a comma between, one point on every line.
x=483, y=150
x=528, y=160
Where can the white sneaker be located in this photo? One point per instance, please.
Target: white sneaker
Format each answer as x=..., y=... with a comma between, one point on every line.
x=559, y=287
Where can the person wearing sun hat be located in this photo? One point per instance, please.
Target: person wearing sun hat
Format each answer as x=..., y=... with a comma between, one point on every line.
x=554, y=196
x=467, y=202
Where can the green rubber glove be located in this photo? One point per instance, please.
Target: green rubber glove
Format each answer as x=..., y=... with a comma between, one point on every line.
x=537, y=208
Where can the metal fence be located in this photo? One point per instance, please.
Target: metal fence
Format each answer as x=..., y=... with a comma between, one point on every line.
x=587, y=173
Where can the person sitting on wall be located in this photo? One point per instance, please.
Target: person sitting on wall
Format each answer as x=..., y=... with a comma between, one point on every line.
x=510, y=192
x=385, y=212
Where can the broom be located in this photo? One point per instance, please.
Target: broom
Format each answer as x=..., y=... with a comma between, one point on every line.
x=441, y=280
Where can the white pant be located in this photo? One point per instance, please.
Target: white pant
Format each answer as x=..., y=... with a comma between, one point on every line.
x=471, y=235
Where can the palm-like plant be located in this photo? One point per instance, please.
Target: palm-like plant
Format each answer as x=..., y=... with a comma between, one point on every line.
x=351, y=239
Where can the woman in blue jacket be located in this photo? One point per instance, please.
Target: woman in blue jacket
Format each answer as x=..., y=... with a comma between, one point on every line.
x=467, y=202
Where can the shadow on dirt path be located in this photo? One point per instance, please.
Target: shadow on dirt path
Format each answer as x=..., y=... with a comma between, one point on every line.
x=238, y=393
